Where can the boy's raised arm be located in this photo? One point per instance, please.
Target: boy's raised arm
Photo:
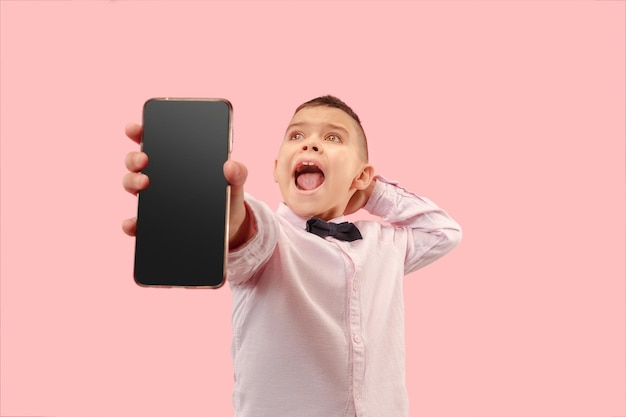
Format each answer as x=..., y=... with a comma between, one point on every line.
x=430, y=231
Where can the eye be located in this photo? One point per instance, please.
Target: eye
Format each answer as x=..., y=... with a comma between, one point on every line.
x=296, y=136
x=333, y=138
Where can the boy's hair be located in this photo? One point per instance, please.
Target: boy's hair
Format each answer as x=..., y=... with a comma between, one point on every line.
x=332, y=101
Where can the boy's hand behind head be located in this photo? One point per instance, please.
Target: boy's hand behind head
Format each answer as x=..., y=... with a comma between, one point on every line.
x=359, y=199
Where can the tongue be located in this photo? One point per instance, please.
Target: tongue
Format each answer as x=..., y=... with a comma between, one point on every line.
x=310, y=180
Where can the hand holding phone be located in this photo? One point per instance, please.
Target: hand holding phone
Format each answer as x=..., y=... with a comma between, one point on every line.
x=235, y=173
x=182, y=224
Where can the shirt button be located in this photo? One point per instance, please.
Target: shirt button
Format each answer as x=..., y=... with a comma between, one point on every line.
x=356, y=338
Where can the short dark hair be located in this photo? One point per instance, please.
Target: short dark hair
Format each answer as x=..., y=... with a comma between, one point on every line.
x=332, y=101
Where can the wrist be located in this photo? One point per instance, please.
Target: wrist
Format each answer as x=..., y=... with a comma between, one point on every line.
x=243, y=230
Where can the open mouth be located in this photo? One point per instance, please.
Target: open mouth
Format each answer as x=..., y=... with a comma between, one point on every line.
x=308, y=176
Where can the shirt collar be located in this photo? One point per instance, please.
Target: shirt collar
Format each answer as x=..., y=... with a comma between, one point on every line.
x=299, y=222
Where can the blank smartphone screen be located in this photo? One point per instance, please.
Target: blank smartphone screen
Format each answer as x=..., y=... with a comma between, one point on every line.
x=181, y=235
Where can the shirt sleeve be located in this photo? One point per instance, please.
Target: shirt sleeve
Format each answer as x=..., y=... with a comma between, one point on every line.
x=245, y=261
x=429, y=231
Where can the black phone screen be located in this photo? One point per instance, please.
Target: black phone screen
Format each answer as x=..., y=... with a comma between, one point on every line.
x=182, y=219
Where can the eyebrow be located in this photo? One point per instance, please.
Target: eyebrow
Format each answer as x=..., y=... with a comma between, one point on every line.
x=326, y=125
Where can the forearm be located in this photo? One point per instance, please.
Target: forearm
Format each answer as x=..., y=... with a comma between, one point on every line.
x=253, y=252
x=242, y=230
x=397, y=206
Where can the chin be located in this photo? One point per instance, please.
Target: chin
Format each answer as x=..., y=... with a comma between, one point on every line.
x=304, y=210
x=312, y=203
x=307, y=210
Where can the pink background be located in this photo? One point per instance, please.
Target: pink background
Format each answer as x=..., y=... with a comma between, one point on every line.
x=510, y=115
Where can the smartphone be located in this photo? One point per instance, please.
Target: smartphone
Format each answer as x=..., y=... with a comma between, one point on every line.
x=182, y=216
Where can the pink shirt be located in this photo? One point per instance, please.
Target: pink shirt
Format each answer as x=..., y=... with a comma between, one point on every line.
x=318, y=324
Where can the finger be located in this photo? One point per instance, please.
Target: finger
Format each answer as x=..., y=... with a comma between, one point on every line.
x=133, y=183
x=136, y=161
x=134, y=131
x=129, y=226
x=236, y=174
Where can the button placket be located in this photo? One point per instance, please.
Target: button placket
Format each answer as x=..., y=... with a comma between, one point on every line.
x=357, y=341
x=354, y=322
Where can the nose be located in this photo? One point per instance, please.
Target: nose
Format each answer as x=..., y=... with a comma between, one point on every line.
x=311, y=144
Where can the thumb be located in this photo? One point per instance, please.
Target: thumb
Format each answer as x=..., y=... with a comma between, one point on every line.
x=236, y=174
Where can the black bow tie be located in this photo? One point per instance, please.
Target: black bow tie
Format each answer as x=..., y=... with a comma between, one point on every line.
x=342, y=231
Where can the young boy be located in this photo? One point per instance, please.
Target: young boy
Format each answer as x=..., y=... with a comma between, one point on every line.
x=318, y=316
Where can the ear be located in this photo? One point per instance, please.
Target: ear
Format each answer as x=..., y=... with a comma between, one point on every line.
x=364, y=179
x=275, y=165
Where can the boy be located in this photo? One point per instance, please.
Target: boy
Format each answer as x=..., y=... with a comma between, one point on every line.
x=318, y=315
